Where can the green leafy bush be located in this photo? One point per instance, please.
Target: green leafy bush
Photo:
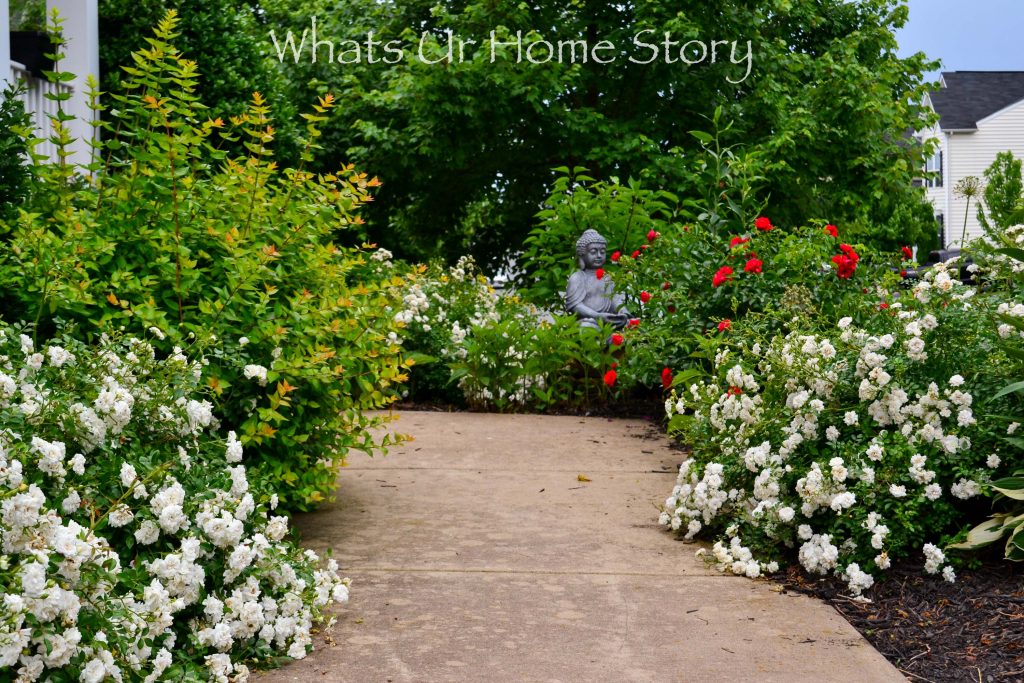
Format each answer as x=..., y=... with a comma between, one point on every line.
x=622, y=213
x=1003, y=195
x=1003, y=268
x=528, y=361
x=476, y=346
x=134, y=545
x=14, y=173
x=247, y=258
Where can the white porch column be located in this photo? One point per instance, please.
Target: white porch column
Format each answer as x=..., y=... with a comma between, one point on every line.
x=5, y=43
x=81, y=31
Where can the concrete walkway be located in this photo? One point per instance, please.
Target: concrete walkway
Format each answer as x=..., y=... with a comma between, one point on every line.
x=478, y=554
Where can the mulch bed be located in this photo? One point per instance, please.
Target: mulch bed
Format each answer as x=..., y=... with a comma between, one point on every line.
x=931, y=630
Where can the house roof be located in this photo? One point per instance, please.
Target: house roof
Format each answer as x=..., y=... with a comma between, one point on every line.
x=969, y=96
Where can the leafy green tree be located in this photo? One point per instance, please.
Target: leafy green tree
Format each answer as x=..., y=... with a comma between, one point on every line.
x=466, y=146
x=227, y=40
x=1004, y=194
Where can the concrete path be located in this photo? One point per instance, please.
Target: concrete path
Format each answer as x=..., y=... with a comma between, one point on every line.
x=477, y=554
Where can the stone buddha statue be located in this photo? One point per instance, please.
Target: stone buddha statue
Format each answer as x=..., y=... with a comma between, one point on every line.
x=592, y=298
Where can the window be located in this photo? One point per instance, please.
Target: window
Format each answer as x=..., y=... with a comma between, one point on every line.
x=941, y=220
x=934, y=166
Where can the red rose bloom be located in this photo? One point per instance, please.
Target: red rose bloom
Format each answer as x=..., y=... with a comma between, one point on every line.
x=599, y=273
x=610, y=377
x=845, y=266
x=723, y=275
x=666, y=378
x=832, y=230
x=616, y=255
x=724, y=325
x=850, y=253
x=666, y=285
x=882, y=306
x=634, y=322
x=903, y=273
x=652, y=235
x=645, y=296
x=753, y=266
x=671, y=309
x=636, y=254
x=737, y=241
x=735, y=391
x=762, y=223
x=617, y=339
x=908, y=253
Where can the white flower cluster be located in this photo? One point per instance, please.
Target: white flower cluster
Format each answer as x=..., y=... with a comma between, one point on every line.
x=382, y=256
x=791, y=469
x=256, y=372
x=416, y=304
x=69, y=607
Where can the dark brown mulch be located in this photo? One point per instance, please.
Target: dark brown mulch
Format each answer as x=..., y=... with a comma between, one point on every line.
x=931, y=630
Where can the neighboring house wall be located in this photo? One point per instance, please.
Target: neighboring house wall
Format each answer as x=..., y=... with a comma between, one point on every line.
x=81, y=31
x=935, y=189
x=971, y=153
x=5, y=44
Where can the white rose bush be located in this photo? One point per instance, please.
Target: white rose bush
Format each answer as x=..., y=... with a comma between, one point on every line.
x=491, y=350
x=846, y=445
x=134, y=546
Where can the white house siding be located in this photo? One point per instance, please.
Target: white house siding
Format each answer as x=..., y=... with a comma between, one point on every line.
x=81, y=30
x=970, y=153
x=937, y=195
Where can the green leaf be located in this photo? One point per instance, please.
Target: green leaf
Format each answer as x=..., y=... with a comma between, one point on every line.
x=1013, y=252
x=704, y=138
x=986, y=533
x=1010, y=389
x=1011, y=487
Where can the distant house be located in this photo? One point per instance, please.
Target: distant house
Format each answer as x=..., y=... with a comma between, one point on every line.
x=81, y=31
x=981, y=113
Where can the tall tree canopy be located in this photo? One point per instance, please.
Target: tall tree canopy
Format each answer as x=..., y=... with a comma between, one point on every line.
x=228, y=40
x=466, y=146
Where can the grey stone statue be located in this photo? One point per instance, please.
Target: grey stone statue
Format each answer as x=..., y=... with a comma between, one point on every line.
x=589, y=297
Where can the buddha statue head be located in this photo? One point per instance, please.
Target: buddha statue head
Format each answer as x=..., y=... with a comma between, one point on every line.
x=590, y=250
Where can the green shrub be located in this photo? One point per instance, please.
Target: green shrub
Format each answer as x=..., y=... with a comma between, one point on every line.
x=526, y=360
x=1003, y=195
x=622, y=213
x=243, y=257
x=492, y=350
x=14, y=172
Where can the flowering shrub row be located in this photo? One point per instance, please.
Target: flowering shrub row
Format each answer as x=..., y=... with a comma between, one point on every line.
x=238, y=254
x=134, y=545
x=491, y=350
x=851, y=444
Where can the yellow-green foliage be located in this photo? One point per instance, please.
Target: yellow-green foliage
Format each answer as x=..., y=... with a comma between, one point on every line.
x=249, y=260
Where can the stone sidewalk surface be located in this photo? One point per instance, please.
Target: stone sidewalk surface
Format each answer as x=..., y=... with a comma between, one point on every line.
x=477, y=554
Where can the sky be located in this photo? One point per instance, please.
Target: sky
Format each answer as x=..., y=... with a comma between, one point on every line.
x=967, y=35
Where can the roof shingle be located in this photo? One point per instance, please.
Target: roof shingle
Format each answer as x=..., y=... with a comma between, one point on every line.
x=970, y=96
